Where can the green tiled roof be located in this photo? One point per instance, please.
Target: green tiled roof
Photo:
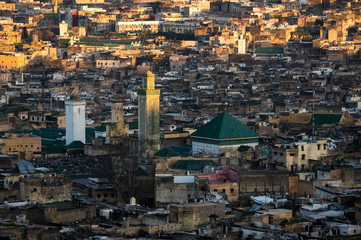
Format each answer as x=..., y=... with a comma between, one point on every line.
x=320, y=119
x=107, y=42
x=64, y=40
x=53, y=149
x=191, y=164
x=101, y=128
x=132, y=125
x=166, y=152
x=224, y=126
x=184, y=150
x=49, y=133
x=89, y=135
x=270, y=50
x=139, y=171
x=61, y=168
x=61, y=205
x=174, y=151
x=75, y=145
x=79, y=176
x=13, y=108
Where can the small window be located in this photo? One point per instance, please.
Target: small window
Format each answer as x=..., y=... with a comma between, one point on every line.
x=324, y=146
x=232, y=190
x=302, y=148
x=223, y=190
x=215, y=190
x=318, y=146
x=303, y=156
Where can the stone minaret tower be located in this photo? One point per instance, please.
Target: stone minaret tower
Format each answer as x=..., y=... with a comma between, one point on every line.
x=148, y=117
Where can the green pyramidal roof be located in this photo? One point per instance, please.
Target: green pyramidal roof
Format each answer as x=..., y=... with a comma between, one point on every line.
x=224, y=126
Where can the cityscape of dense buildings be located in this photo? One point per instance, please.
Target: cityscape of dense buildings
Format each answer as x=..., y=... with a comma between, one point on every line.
x=180, y=119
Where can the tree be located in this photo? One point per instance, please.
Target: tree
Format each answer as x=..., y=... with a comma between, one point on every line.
x=24, y=34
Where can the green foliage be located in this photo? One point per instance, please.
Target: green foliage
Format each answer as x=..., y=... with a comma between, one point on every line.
x=24, y=34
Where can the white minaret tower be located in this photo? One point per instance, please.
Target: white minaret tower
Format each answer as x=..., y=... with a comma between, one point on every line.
x=241, y=45
x=75, y=121
x=63, y=29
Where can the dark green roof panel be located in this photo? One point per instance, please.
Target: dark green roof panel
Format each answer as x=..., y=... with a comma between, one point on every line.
x=166, y=152
x=189, y=164
x=269, y=50
x=75, y=145
x=184, y=150
x=224, y=126
x=320, y=119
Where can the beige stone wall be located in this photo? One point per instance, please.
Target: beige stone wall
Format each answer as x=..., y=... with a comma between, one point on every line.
x=16, y=144
x=61, y=121
x=193, y=214
x=137, y=26
x=12, y=62
x=300, y=188
x=313, y=151
x=10, y=37
x=263, y=181
x=297, y=227
x=89, y=1
x=7, y=6
x=285, y=157
x=68, y=216
x=7, y=47
x=46, y=190
x=231, y=190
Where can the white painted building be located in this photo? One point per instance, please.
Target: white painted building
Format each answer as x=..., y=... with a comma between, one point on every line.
x=75, y=121
x=345, y=230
